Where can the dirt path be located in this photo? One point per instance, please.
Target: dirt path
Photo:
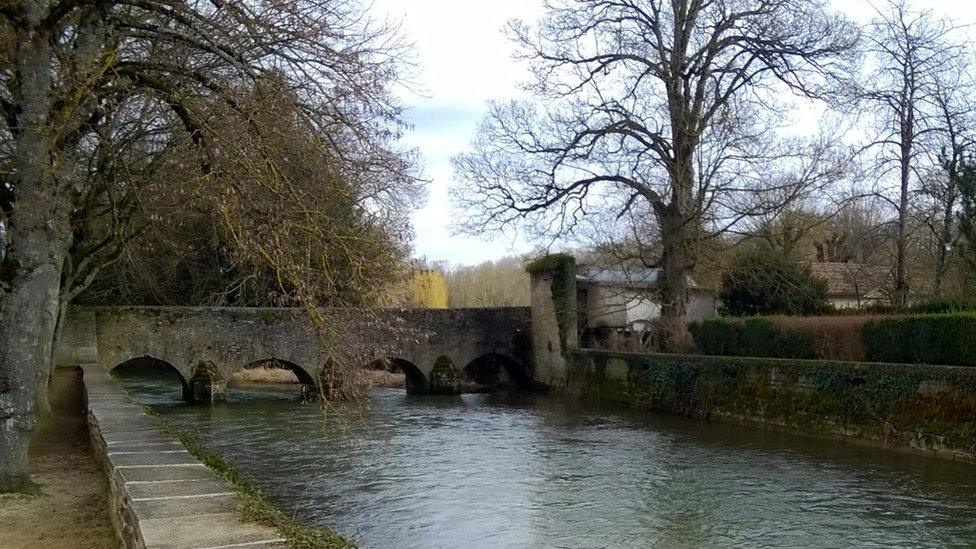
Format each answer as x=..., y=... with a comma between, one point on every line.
x=71, y=510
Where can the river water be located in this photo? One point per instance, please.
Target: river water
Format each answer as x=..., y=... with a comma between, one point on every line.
x=537, y=471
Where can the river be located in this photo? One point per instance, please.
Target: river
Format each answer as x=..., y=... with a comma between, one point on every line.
x=514, y=470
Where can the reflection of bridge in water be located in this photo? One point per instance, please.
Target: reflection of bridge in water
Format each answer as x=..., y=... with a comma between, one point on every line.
x=206, y=346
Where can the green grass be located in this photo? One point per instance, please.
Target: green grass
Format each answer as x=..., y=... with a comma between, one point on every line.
x=251, y=504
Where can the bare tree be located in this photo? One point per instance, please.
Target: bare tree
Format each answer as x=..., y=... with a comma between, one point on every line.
x=911, y=54
x=952, y=139
x=673, y=104
x=97, y=96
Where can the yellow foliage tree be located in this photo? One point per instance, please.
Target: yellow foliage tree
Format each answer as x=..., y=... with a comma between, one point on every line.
x=428, y=290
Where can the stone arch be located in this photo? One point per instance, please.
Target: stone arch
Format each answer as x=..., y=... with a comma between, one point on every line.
x=147, y=362
x=304, y=376
x=493, y=370
x=416, y=380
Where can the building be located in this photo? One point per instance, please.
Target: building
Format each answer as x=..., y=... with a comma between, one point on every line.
x=627, y=298
x=853, y=285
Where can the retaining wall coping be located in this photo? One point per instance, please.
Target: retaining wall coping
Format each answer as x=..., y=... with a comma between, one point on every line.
x=764, y=360
x=162, y=496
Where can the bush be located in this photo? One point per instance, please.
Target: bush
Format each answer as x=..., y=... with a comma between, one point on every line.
x=922, y=339
x=757, y=337
x=830, y=337
x=947, y=339
x=765, y=282
x=939, y=305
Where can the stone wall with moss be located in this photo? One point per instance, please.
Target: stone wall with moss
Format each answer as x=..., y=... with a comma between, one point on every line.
x=927, y=408
x=226, y=339
x=553, y=303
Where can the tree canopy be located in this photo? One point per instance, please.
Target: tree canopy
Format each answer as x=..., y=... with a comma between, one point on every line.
x=763, y=281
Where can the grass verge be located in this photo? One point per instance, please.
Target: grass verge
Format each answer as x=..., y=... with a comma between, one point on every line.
x=251, y=504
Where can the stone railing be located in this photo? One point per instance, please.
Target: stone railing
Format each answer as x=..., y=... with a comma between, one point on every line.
x=162, y=497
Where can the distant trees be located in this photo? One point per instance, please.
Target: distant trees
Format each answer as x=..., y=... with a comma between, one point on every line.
x=427, y=289
x=764, y=281
x=917, y=93
x=664, y=107
x=967, y=215
x=500, y=283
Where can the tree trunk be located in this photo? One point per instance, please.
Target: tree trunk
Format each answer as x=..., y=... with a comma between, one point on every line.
x=38, y=234
x=901, y=271
x=948, y=217
x=675, y=267
x=901, y=259
x=27, y=324
x=44, y=374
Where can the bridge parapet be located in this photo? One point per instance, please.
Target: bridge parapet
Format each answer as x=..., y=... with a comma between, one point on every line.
x=207, y=345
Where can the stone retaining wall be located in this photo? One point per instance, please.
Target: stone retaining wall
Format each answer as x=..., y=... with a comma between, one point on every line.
x=930, y=409
x=162, y=497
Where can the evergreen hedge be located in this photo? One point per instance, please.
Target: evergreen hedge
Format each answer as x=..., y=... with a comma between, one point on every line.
x=947, y=339
x=922, y=339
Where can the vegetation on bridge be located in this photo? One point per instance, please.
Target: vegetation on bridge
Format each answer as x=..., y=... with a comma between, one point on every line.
x=560, y=269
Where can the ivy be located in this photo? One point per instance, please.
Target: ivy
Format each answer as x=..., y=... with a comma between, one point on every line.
x=887, y=403
x=561, y=270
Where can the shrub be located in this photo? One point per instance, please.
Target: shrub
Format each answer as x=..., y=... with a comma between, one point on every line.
x=830, y=337
x=758, y=337
x=955, y=304
x=765, y=282
x=946, y=339
x=922, y=339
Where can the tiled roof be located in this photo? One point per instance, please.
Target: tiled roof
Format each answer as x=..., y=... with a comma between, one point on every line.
x=852, y=279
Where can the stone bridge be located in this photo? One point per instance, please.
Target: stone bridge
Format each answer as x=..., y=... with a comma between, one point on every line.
x=439, y=350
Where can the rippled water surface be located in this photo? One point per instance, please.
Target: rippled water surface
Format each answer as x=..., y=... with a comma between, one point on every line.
x=536, y=471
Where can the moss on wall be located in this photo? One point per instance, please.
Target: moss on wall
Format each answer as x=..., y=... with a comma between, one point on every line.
x=925, y=407
x=560, y=269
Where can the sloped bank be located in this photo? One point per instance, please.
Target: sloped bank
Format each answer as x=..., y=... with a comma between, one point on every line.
x=929, y=409
x=162, y=495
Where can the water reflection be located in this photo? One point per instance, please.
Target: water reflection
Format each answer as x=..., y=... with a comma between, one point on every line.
x=535, y=471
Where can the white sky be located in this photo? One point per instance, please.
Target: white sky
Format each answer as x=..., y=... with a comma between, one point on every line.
x=465, y=61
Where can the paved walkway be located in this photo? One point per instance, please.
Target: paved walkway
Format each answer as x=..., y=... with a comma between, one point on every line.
x=166, y=497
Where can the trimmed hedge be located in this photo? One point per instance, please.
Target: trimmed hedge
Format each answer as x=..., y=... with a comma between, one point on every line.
x=923, y=339
x=948, y=339
x=756, y=337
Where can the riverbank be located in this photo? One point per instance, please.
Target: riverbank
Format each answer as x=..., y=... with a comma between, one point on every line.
x=910, y=408
x=369, y=379
x=70, y=505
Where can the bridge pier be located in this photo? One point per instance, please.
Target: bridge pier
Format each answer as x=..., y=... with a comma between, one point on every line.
x=206, y=386
x=444, y=377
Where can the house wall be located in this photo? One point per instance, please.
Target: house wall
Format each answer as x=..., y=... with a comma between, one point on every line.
x=618, y=307
x=702, y=306
x=851, y=302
